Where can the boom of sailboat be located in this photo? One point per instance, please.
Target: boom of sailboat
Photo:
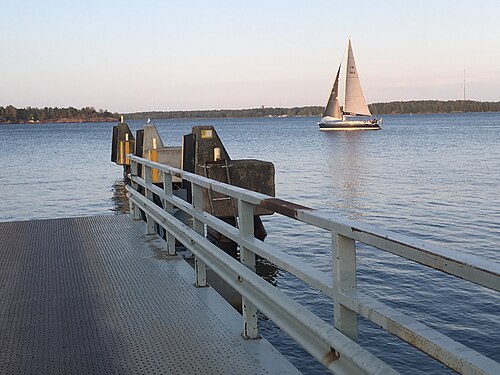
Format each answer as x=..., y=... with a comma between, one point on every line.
x=337, y=118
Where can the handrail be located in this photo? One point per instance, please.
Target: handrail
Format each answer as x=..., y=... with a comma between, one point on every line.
x=466, y=266
x=321, y=281
x=348, y=301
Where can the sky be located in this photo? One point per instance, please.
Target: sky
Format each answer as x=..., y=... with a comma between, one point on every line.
x=128, y=56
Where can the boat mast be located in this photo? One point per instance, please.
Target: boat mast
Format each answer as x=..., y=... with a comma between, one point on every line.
x=346, y=72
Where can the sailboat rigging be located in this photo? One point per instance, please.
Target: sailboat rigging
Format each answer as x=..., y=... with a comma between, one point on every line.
x=335, y=118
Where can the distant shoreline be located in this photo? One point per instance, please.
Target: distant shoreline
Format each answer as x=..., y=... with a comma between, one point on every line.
x=397, y=107
x=12, y=115
x=65, y=121
x=31, y=115
x=79, y=121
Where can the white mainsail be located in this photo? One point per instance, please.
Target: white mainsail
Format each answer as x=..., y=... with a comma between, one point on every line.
x=332, y=109
x=354, y=102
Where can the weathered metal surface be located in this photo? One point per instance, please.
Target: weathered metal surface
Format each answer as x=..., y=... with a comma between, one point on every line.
x=114, y=144
x=151, y=139
x=205, y=155
x=122, y=143
x=152, y=148
x=254, y=175
x=139, y=142
x=171, y=156
x=92, y=296
x=282, y=207
x=188, y=146
x=206, y=140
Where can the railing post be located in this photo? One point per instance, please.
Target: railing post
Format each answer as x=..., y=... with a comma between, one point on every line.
x=344, y=274
x=134, y=172
x=247, y=257
x=148, y=177
x=200, y=268
x=169, y=237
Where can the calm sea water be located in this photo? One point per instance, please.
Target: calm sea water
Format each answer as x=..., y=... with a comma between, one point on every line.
x=435, y=177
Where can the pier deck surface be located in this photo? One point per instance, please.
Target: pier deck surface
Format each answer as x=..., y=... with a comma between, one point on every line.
x=91, y=296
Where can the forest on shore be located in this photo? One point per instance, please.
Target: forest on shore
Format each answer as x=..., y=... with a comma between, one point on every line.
x=433, y=106
x=217, y=113
x=398, y=107
x=11, y=114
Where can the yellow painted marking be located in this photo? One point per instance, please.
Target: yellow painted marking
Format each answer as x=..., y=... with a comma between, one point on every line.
x=216, y=153
x=207, y=133
x=152, y=155
x=127, y=151
x=121, y=153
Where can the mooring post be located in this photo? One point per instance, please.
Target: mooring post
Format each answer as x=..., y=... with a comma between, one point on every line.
x=148, y=177
x=169, y=207
x=134, y=172
x=199, y=267
x=344, y=273
x=247, y=257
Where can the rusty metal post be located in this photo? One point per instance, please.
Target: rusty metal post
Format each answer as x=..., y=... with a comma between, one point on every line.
x=167, y=187
x=148, y=177
x=199, y=267
x=344, y=274
x=247, y=257
x=134, y=172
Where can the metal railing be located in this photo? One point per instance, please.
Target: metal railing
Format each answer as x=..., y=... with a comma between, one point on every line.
x=334, y=346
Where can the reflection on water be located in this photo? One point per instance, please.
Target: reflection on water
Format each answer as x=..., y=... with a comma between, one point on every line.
x=345, y=165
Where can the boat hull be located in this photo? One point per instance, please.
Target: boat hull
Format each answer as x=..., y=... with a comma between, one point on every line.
x=349, y=125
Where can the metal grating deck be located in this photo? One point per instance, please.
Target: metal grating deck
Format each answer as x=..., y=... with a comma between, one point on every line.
x=90, y=296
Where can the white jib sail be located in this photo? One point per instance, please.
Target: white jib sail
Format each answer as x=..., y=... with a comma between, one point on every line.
x=332, y=109
x=355, y=103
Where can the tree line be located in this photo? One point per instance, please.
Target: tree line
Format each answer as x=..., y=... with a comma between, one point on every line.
x=399, y=107
x=11, y=114
x=217, y=113
x=434, y=106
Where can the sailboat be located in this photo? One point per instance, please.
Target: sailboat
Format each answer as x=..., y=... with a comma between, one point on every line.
x=335, y=118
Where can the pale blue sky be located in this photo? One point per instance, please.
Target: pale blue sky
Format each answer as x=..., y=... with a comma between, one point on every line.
x=174, y=55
